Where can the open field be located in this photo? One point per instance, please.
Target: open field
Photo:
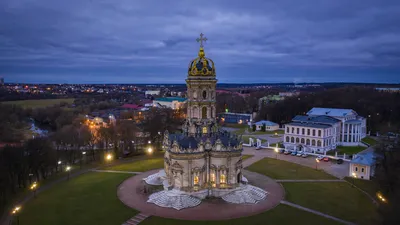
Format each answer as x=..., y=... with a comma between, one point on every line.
x=337, y=199
x=279, y=169
x=139, y=166
x=349, y=150
x=40, y=103
x=282, y=215
x=88, y=199
x=369, y=141
x=366, y=185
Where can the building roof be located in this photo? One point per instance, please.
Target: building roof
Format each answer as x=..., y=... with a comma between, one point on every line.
x=330, y=112
x=315, y=119
x=170, y=99
x=131, y=106
x=186, y=141
x=313, y=125
x=367, y=158
x=353, y=122
x=266, y=122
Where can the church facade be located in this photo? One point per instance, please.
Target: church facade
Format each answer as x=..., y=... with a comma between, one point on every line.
x=202, y=157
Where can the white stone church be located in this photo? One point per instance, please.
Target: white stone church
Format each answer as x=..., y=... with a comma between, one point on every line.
x=323, y=129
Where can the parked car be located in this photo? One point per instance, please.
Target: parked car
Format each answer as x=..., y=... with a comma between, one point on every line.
x=258, y=147
x=281, y=151
x=319, y=158
x=293, y=153
x=339, y=161
x=304, y=155
x=299, y=154
x=326, y=159
x=286, y=153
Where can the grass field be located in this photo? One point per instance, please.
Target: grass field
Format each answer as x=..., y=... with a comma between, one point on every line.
x=279, y=169
x=369, y=141
x=282, y=215
x=349, y=150
x=40, y=103
x=87, y=199
x=366, y=185
x=139, y=166
x=337, y=199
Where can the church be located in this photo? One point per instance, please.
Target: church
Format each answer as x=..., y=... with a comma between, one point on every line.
x=203, y=160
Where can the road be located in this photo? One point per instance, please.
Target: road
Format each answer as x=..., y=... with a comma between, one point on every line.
x=334, y=169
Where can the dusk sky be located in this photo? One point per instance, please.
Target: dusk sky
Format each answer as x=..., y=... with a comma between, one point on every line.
x=152, y=41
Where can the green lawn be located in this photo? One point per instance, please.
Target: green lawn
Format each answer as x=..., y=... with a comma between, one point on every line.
x=279, y=169
x=337, y=199
x=349, y=150
x=39, y=103
x=369, y=141
x=88, y=199
x=139, y=166
x=365, y=185
x=244, y=157
x=282, y=215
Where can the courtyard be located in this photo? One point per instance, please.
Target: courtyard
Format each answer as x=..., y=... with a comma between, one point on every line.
x=92, y=198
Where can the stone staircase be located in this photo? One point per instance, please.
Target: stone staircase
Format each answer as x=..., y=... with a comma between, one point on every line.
x=136, y=219
x=173, y=199
x=247, y=194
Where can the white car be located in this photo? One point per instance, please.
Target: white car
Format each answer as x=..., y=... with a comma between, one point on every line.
x=299, y=154
x=304, y=155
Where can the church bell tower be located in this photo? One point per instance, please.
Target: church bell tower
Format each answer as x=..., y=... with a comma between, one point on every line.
x=201, y=84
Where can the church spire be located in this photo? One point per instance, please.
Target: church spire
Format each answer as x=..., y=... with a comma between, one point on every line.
x=201, y=39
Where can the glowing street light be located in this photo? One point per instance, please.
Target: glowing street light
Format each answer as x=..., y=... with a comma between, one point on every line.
x=34, y=187
x=316, y=164
x=149, y=142
x=380, y=197
x=68, y=170
x=59, y=162
x=276, y=134
x=149, y=150
x=83, y=153
x=15, y=213
x=276, y=151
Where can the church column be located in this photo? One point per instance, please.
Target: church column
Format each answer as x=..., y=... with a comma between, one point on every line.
x=348, y=132
x=343, y=130
x=190, y=177
x=228, y=171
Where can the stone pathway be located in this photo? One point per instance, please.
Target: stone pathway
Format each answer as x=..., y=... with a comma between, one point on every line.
x=313, y=181
x=136, y=219
x=316, y=212
x=115, y=171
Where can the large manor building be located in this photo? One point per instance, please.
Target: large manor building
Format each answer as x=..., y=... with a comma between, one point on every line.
x=323, y=129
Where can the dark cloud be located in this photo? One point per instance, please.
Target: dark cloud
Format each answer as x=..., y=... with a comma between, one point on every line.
x=77, y=36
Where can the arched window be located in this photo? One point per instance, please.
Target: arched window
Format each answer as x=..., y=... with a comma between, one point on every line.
x=287, y=129
x=319, y=133
x=319, y=143
x=287, y=138
x=302, y=140
x=292, y=130
x=302, y=131
x=297, y=140
x=298, y=130
x=204, y=130
x=308, y=142
x=222, y=179
x=308, y=131
x=196, y=180
x=204, y=94
x=313, y=142
x=313, y=132
x=292, y=140
x=204, y=113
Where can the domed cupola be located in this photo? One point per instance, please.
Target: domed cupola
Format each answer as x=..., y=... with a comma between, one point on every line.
x=201, y=66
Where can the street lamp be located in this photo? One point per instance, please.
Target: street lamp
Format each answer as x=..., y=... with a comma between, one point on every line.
x=149, y=142
x=59, y=162
x=34, y=187
x=149, y=150
x=15, y=213
x=316, y=164
x=68, y=170
x=380, y=196
x=276, y=151
x=109, y=157
x=354, y=177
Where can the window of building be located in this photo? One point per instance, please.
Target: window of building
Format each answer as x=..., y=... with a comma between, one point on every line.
x=204, y=94
x=287, y=139
x=308, y=142
x=313, y=142
x=287, y=129
x=298, y=130
x=297, y=140
x=204, y=130
x=356, y=168
x=302, y=140
x=308, y=131
x=292, y=130
x=362, y=170
x=204, y=113
x=319, y=143
x=212, y=177
x=222, y=179
x=196, y=180
x=319, y=133
x=313, y=132
x=292, y=140
x=303, y=131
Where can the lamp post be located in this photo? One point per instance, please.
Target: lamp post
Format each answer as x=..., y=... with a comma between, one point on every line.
x=15, y=213
x=68, y=170
x=150, y=150
x=316, y=164
x=276, y=151
x=381, y=198
x=34, y=187
x=354, y=177
x=109, y=157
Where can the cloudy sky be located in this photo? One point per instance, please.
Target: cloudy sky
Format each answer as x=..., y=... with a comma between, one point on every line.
x=152, y=41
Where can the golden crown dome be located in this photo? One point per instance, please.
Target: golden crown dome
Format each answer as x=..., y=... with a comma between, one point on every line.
x=201, y=66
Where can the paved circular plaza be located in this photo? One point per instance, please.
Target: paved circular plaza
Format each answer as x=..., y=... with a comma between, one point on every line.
x=130, y=192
